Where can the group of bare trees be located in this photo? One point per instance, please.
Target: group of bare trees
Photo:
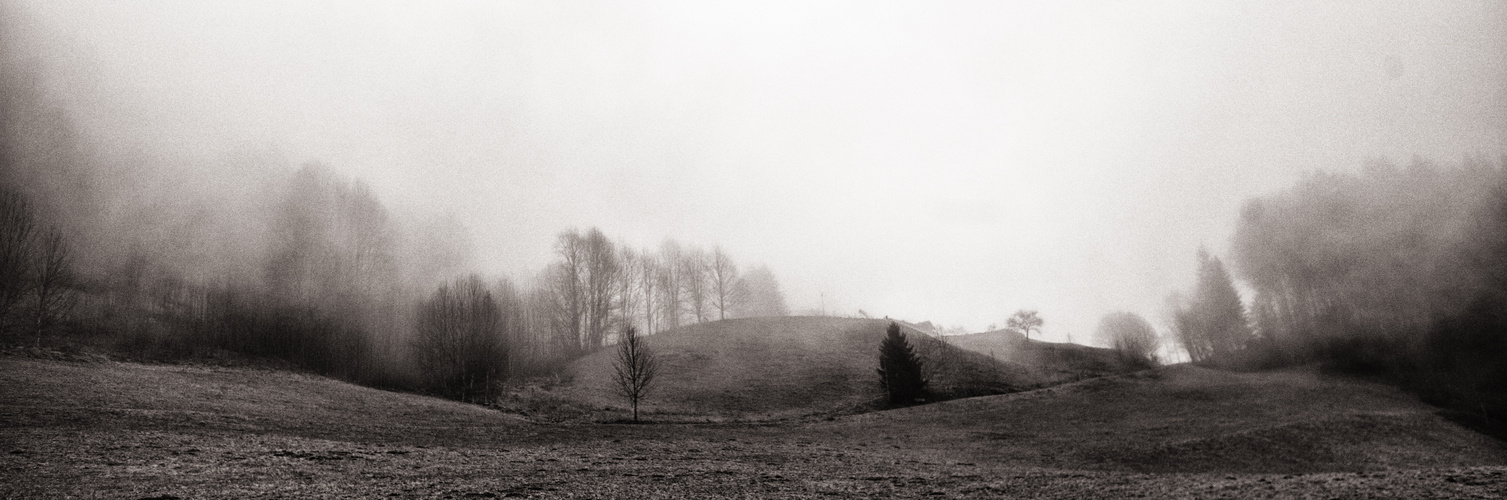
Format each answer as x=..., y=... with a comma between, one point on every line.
x=37, y=284
x=597, y=287
x=463, y=335
x=592, y=293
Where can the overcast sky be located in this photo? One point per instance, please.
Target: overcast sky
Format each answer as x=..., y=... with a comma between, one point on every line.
x=945, y=161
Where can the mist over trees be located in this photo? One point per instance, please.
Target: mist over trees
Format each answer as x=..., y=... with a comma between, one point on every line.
x=1130, y=335
x=249, y=256
x=463, y=336
x=1211, y=324
x=1392, y=269
x=596, y=286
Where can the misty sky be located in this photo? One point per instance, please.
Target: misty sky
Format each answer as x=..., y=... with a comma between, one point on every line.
x=945, y=161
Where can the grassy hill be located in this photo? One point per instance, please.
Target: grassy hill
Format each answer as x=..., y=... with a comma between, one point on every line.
x=74, y=429
x=1046, y=362
x=1186, y=419
x=787, y=366
x=110, y=394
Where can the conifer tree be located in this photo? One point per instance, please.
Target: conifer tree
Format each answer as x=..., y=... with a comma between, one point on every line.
x=900, y=369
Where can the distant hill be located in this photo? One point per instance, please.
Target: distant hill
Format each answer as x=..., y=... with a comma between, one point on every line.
x=789, y=366
x=1046, y=362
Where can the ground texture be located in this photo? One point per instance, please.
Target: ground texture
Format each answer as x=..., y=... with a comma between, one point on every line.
x=120, y=430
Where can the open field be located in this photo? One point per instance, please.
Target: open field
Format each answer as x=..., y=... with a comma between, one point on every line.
x=121, y=430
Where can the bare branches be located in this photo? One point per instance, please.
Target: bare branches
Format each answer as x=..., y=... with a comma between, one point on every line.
x=635, y=368
x=17, y=238
x=462, y=343
x=1024, y=321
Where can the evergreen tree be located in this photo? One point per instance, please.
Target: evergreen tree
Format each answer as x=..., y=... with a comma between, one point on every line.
x=1213, y=323
x=900, y=369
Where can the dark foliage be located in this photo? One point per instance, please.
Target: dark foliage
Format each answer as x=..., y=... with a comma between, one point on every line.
x=1392, y=273
x=463, y=340
x=900, y=371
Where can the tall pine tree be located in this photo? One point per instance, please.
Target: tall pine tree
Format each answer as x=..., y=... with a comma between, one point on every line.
x=900, y=369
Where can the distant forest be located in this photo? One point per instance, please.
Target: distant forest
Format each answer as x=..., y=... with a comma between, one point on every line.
x=154, y=257
x=1392, y=271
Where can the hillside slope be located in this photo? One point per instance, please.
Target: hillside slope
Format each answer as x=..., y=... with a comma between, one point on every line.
x=129, y=395
x=1047, y=362
x=74, y=430
x=1187, y=419
x=787, y=366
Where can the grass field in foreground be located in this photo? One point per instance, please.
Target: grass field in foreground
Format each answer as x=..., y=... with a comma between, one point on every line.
x=119, y=430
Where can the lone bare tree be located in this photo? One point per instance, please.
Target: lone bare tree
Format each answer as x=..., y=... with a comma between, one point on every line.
x=1024, y=321
x=635, y=368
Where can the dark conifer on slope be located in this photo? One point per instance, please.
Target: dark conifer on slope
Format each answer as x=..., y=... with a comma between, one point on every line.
x=900, y=369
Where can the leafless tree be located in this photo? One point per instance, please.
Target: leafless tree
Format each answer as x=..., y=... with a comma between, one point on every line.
x=627, y=284
x=695, y=283
x=17, y=239
x=669, y=277
x=586, y=280
x=648, y=287
x=726, y=294
x=53, y=286
x=462, y=341
x=1024, y=321
x=634, y=368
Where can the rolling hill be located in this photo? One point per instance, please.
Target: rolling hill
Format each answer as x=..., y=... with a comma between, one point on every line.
x=75, y=429
x=788, y=366
x=1187, y=419
x=1046, y=362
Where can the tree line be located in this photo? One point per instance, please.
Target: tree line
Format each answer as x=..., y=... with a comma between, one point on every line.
x=1392, y=271
x=594, y=290
x=158, y=257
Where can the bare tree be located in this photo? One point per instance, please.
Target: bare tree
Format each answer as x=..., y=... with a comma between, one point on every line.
x=694, y=283
x=602, y=272
x=52, y=289
x=671, y=301
x=17, y=236
x=634, y=368
x=648, y=286
x=462, y=341
x=626, y=284
x=1024, y=321
x=586, y=280
x=726, y=293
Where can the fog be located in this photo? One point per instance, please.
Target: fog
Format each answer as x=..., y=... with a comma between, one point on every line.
x=950, y=162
